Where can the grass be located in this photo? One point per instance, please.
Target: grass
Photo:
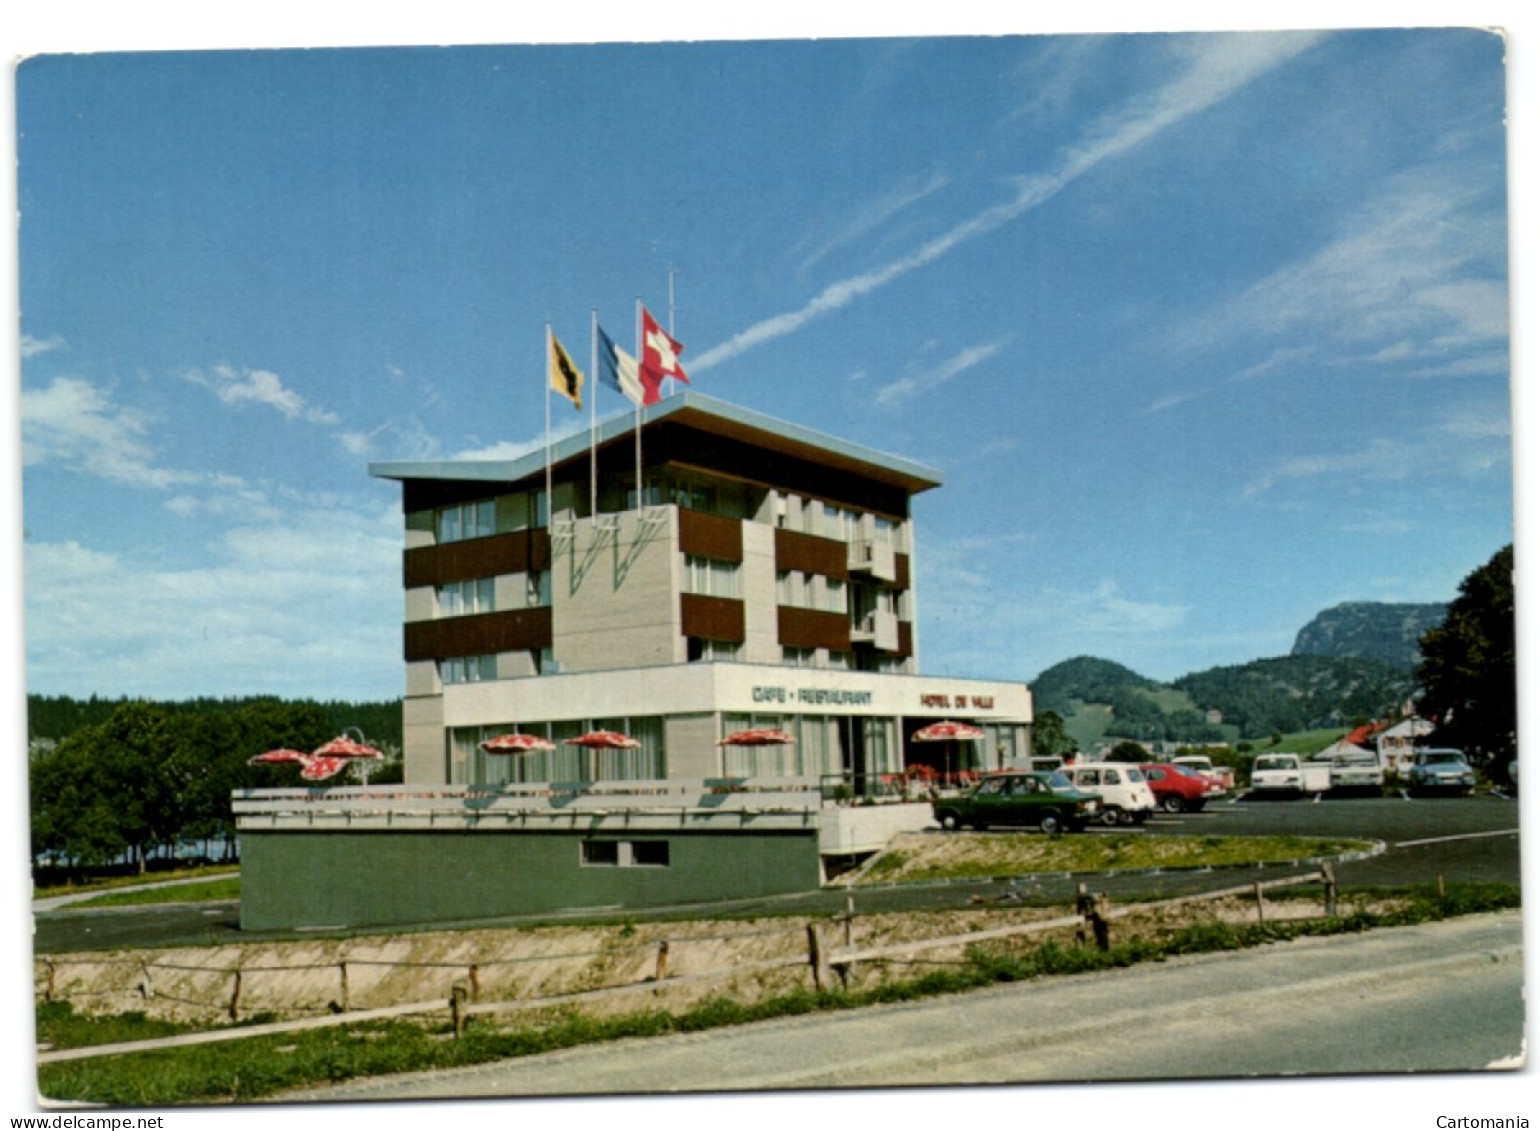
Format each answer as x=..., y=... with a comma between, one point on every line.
x=108, y=883
x=263, y=1066
x=222, y=888
x=925, y=858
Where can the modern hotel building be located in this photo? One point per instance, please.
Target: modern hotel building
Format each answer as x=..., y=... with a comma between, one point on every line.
x=765, y=577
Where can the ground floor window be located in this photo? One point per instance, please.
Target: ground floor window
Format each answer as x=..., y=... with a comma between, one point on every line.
x=471, y=765
x=624, y=853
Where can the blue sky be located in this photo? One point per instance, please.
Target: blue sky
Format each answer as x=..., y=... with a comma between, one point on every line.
x=1206, y=333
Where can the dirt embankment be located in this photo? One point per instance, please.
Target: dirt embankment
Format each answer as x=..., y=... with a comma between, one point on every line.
x=703, y=959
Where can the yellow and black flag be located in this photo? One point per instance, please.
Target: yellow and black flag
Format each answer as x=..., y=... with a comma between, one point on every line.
x=566, y=378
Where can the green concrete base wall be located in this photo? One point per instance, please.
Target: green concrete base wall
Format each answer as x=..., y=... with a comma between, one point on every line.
x=352, y=879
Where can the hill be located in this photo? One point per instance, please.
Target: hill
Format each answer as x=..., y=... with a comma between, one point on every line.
x=1099, y=699
x=1370, y=630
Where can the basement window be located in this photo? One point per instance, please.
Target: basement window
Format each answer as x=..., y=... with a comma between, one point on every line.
x=624, y=853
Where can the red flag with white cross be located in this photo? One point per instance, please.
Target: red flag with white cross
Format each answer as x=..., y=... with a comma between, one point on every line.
x=660, y=359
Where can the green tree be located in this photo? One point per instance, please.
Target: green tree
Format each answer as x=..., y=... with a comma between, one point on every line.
x=1128, y=752
x=1468, y=672
x=1049, y=738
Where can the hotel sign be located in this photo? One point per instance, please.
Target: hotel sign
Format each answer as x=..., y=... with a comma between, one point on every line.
x=958, y=702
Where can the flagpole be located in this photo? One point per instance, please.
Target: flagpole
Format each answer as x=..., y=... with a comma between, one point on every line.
x=593, y=418
x=639, y=409
x=671, y=322
x=550, y=510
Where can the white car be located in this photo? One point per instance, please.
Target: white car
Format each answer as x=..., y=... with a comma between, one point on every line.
x=1126, y=798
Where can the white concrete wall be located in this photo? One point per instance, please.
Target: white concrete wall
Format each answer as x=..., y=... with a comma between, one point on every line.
x=690, y=744
x=422, y=739
x=615, y=595
x=761, y=643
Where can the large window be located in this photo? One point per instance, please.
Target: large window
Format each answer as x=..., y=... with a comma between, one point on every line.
x=562, y=764
x=461, y=598
x=467, y=520
x=624, y=853
x=710, y=577
x=760, y=761
x=467, y=669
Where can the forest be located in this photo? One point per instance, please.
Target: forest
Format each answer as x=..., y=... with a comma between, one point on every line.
x=126, y=780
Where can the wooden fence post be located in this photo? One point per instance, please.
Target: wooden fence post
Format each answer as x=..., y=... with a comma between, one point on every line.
x=850, y=914
x=457, y=1016
x=1329, y=875
x=475, y=975
x=48, y=982
x=1256, y=890
x=343, y=1001
x=818, y=958
x=660, y=970
x=1101, y=921
x=146, y=990
x=235, y=998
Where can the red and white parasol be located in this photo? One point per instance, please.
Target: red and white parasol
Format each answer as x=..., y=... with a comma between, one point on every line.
x=948, y=732
x=604, y=740
x=344, y=747
x=517, y=744
x=760, y=736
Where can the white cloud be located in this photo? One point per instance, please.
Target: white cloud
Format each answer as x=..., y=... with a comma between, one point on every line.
x=31, y=347
x=954, y=366
x=258, y=386
x=77, y=425
x=306, y=605
x=1218, y=66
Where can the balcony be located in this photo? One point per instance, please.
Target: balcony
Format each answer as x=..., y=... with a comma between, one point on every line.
x=873, y=558
x=877, y=629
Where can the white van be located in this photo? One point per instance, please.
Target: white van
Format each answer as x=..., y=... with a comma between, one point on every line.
x=1125, y=795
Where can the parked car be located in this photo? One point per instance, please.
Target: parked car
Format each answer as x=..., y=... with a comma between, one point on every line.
x=1019, y=798
x=1357, y=773
x=1437, y=770
x=1176, y=788
x=1204, y=765
x=1125, y=796
x=1288, y=774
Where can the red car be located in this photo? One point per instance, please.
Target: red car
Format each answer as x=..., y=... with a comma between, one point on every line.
x=1176, y=789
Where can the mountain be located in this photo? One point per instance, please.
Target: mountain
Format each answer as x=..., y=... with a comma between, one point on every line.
x=1370, y=630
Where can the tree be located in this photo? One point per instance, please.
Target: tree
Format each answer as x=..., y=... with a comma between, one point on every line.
x=1128, y=752
x=1049, y=738
x=1468, y=672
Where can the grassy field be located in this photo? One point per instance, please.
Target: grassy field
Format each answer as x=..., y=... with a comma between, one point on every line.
x=110, y=883
x=917, y=857
x=219, y=888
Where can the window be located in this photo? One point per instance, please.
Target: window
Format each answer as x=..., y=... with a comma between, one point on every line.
x=462, y=598
x=624, y=853
x=467, y=669
x=834, y=595
x=799, y=657
x=701, y=649
x=710, y=577
x=537, y=589
x=467, y=520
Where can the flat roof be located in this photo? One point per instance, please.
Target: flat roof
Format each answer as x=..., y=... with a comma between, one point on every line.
x=693, y=410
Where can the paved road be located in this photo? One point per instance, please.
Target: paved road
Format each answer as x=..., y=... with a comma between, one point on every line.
x=1440, y=997
x=1461, y=839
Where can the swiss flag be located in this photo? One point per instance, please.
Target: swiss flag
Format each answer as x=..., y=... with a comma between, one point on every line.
x=660, y=359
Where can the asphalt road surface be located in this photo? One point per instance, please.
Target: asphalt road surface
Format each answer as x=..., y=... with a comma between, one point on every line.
x=1440, y=997
x=1460, y=839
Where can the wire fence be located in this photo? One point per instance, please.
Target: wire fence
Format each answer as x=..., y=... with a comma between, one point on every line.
x=828, y=960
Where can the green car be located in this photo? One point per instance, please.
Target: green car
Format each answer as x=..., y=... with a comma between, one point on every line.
x=1044, y=799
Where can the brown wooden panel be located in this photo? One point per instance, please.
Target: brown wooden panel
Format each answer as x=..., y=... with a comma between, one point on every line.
x=905, y=638
x=483, y=633
x=811, y=554
x=516, y=552
x=901, y=571
x=710, y=535
x=711, y=618
x=812, y=628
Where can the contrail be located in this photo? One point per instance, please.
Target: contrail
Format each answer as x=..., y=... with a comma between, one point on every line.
x=1221, y=65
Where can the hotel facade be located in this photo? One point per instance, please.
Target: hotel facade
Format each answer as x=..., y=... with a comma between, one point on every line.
x=764, y=578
